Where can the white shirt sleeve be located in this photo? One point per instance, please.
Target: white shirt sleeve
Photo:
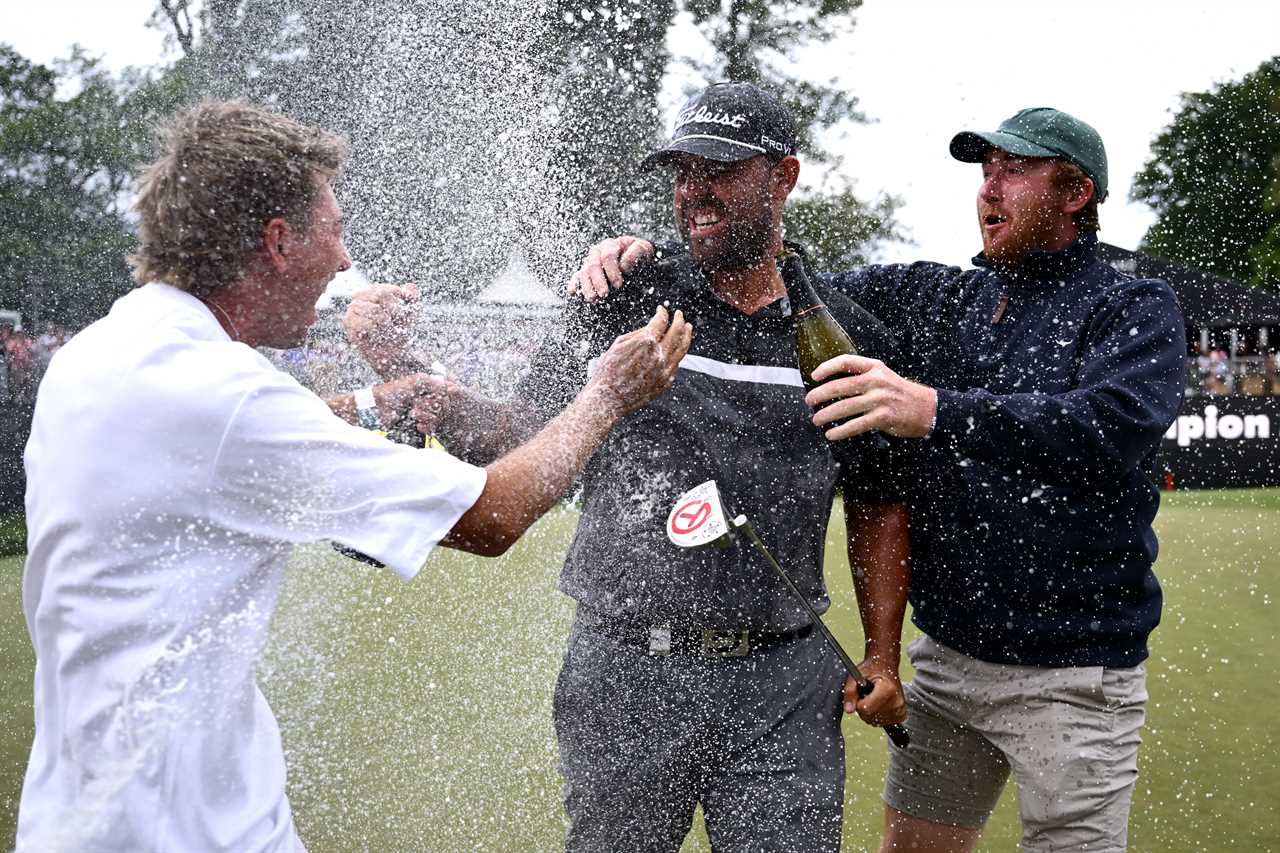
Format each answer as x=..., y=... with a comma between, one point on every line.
x=288, y=469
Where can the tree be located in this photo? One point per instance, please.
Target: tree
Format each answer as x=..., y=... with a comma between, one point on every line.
x=613, y=59
x=444, y=105
x=65, y=165
x=838, y=229
x=1213, y=179
x=604, y=65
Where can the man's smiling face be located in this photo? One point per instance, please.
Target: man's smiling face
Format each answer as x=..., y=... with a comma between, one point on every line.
x=724, y=210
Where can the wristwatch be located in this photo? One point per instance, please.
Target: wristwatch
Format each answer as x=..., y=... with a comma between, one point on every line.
x=367, y=409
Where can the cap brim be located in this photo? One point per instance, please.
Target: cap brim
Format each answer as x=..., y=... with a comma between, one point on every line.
x=972, y=147
x=721, y=150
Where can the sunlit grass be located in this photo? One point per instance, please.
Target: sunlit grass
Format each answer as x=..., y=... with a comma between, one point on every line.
x=417, y=716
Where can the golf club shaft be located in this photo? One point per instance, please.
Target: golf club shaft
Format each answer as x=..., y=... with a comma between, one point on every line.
x=896, y=732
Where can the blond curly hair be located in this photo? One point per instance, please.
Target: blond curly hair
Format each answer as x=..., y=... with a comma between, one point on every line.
x=226, y=169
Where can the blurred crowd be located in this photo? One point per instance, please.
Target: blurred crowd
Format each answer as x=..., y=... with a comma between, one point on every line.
x=25, y=358
x=1216, y=372
x=488, y=350
x=484, y=350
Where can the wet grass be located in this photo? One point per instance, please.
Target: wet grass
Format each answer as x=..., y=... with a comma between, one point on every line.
x=417, y=717
x=13, y=534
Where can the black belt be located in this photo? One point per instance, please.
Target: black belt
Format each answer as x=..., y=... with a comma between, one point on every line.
x=662, y=640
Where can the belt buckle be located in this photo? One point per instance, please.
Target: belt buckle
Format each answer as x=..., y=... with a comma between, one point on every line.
x=725, y=644
x=660, y=640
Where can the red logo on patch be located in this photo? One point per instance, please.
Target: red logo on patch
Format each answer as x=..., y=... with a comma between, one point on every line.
x=690, y=517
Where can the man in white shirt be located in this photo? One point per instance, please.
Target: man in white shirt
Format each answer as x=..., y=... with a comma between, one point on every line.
x=171, y=468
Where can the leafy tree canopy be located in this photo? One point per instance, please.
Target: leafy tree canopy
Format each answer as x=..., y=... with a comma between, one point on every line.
x=65, y=168
x=1213, y=179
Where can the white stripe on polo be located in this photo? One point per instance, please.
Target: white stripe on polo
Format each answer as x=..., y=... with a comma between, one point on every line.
x=719, y=139
x=758, y=373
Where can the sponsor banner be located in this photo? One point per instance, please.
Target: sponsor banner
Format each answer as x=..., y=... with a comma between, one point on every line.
x=1224, y=442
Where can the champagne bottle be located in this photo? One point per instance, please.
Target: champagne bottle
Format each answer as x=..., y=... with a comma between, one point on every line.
x=819, y=337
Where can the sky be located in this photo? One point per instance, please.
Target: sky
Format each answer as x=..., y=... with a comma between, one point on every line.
x=923, y=70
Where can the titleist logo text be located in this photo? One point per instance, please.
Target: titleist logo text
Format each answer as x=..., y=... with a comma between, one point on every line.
x=702, y=115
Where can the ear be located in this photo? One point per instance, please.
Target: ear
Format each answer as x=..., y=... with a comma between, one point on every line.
x=1078, y=195
x=785, y=175
x=277, y=239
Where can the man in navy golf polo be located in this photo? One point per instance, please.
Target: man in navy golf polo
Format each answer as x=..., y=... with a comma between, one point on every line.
x=692, y=677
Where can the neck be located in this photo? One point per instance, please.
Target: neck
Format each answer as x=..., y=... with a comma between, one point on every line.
x=751, y=288
x=1061, y=240
x=233, y=315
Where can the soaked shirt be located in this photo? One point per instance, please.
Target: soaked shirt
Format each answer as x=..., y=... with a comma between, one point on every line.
x=170, y=471
x=1032, y=500
x=736, y=414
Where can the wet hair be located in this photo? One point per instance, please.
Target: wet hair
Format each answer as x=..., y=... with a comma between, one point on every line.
x=1068, y=176
x=226, y=169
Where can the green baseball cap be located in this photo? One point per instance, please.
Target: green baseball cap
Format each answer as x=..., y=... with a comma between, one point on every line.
x=1040, y=132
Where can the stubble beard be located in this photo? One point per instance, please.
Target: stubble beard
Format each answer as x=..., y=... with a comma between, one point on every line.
x=745, y=245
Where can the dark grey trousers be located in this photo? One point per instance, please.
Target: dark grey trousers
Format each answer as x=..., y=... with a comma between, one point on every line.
x=756, y=740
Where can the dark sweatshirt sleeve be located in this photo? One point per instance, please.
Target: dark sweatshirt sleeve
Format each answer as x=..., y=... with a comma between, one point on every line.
x=1129, y=390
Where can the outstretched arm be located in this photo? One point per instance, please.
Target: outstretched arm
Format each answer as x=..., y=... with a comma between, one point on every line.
x=878, y=557
x=524, y=484
x=1128, y=391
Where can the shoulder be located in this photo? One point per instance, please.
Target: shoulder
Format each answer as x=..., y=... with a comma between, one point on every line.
x=898, y=281
x=1118, y=290
x=665, y=280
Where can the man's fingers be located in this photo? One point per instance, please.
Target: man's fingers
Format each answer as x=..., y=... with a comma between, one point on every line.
x=850, y=695
x=883, y=706
x=580, y=285
x=658, y=323
x=385, y=294
x=605, y=266
x=636, y=251
x=852, y=364
x=593, y=272
x=675, y=343
x=836, y=389
x=610, y=252
x=852, y=427
x=852, y=406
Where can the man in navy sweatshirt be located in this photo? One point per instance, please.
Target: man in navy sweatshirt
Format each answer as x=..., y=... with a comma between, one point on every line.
x=1042, y=382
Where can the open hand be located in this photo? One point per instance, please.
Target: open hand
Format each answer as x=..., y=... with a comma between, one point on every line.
x=642, y=364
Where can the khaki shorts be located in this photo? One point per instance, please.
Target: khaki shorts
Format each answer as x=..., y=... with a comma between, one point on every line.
x=1070, y=736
